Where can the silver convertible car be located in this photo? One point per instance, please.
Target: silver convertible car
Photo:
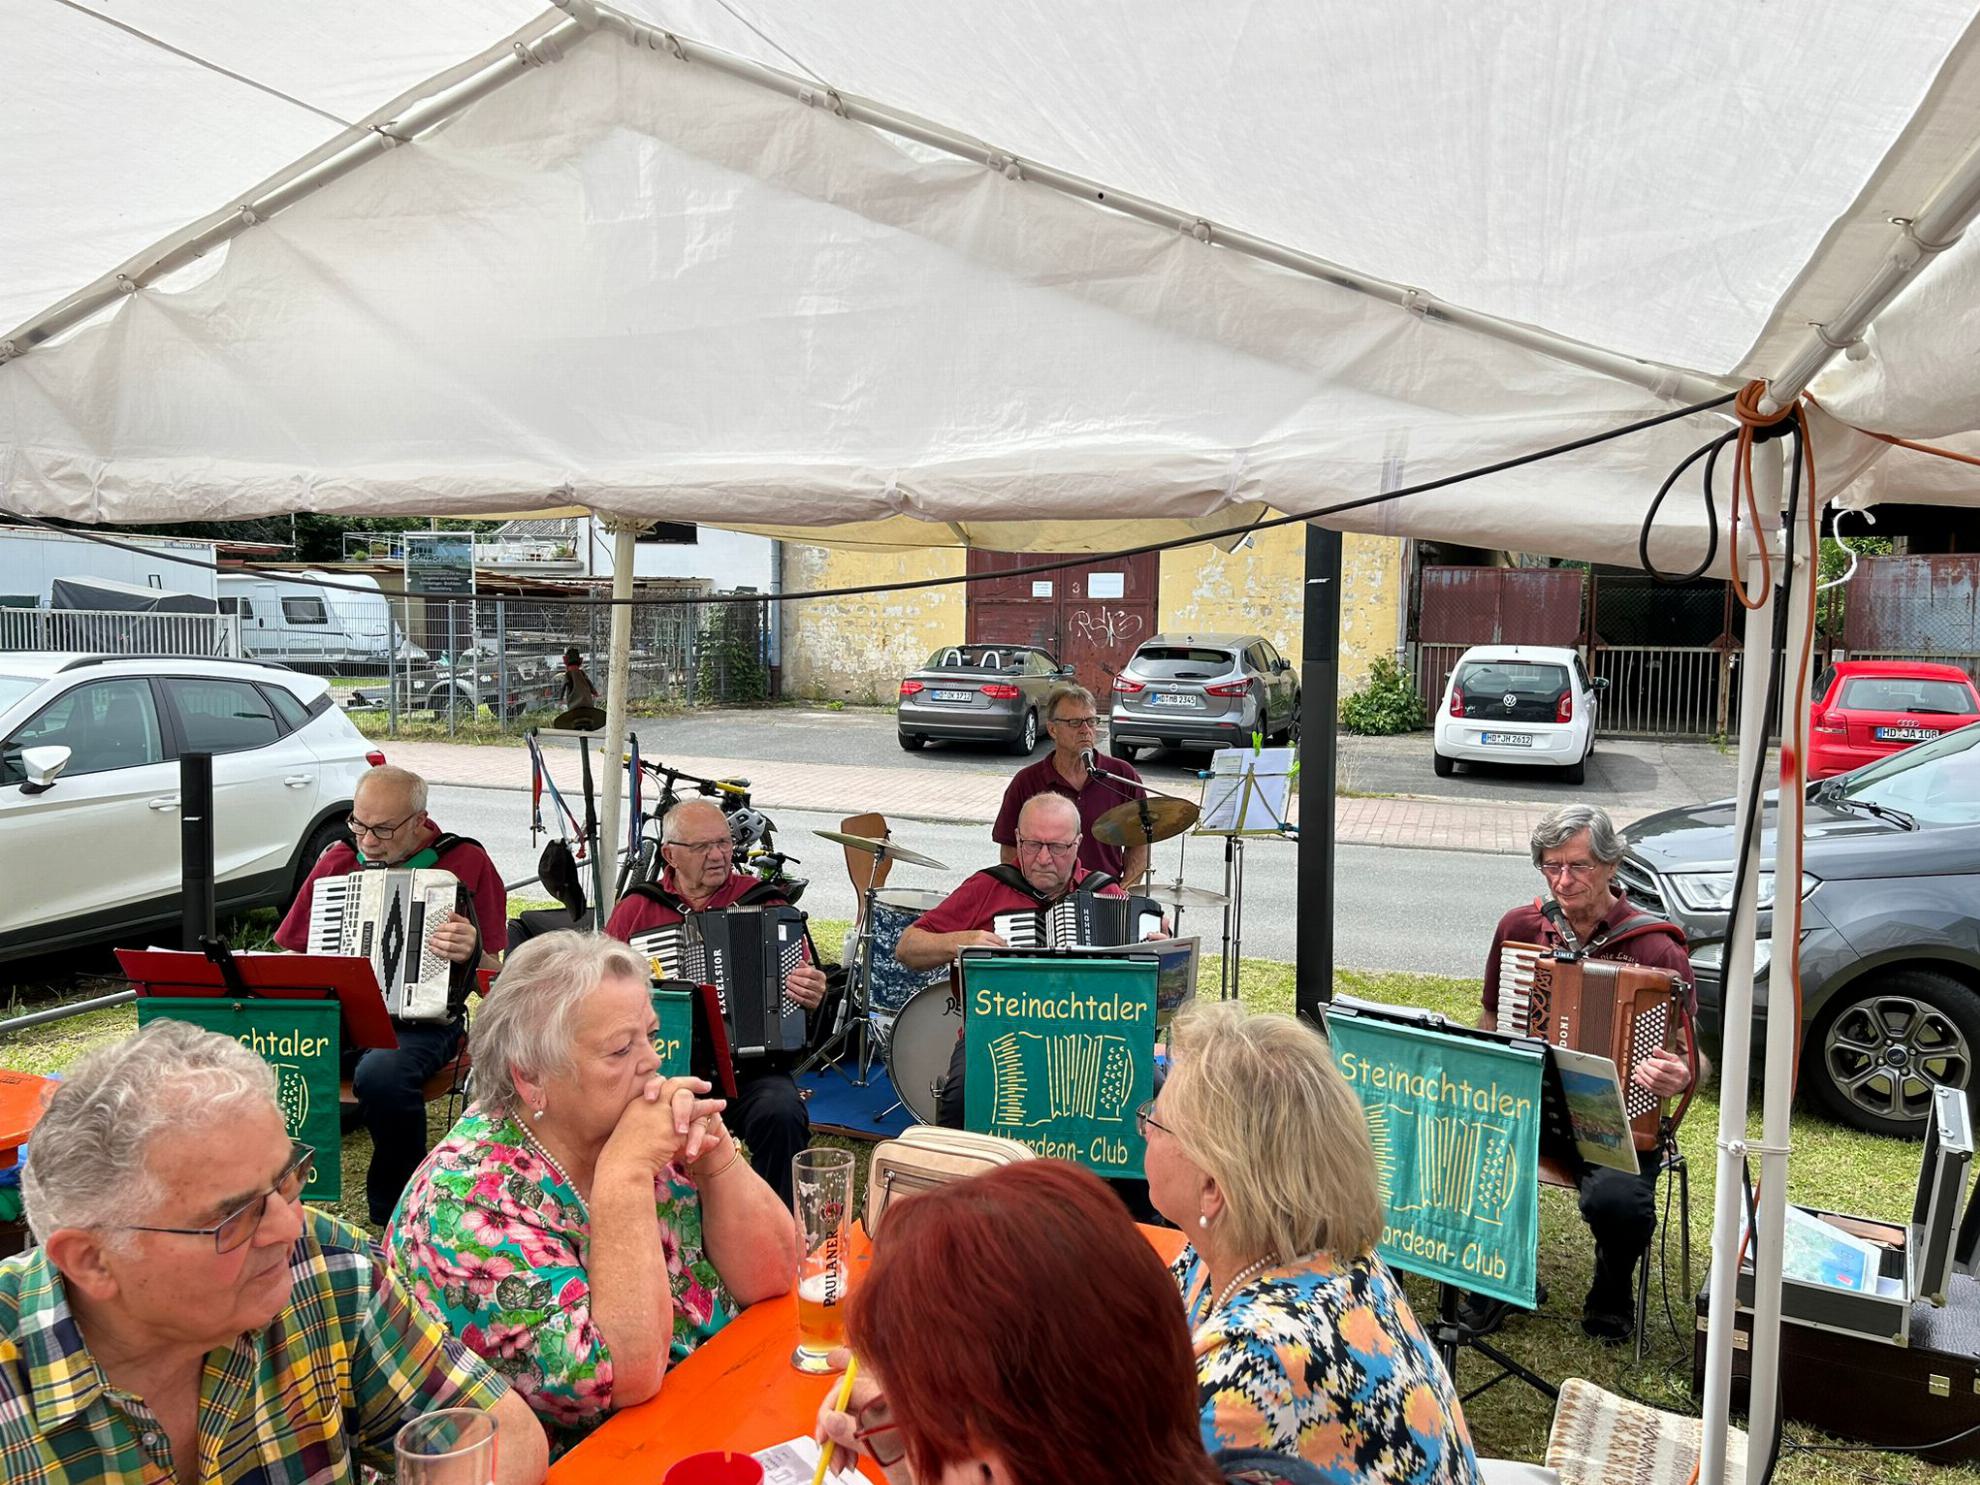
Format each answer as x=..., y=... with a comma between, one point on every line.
x=978, y=693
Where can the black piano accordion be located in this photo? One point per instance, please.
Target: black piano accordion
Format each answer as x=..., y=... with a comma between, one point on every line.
x=1082, y=920
x=1619, y=1011
x=747, y=954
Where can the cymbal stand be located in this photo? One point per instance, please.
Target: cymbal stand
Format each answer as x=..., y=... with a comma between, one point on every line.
x=855, y=1011
x=1233, y=947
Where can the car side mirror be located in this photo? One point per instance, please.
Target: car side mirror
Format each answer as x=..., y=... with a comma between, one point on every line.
x=42, y=765
x=1600, y=683
x=1280, y=666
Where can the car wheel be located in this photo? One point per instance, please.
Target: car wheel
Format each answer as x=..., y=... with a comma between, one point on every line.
x=1876, y=1057
x=1026, y=742
x=320, y=840
x=913, y=742
x=1122, y=750
x=1292, y=724
x=1576, y=772
x=1445, y=767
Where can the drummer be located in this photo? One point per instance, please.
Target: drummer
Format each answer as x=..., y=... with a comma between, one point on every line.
x=1078, y=771
x=1047, y=847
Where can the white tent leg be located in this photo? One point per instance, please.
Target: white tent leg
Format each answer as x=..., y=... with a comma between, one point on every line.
x=618, y=679
x=1777, y=1087
x=1737, y=1008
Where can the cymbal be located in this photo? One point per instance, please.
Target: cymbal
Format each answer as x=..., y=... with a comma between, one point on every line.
x=873, y=846
x=1177, y=894
x=1121, y=825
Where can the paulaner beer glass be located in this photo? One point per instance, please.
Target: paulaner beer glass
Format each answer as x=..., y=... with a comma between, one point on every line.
x=822, y=1198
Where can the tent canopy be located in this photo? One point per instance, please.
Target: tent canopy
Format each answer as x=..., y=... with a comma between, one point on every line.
x=683, y=274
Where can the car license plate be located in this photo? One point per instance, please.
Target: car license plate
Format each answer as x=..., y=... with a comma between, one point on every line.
x=1175, y=698
x=1506, y=739
x=950, y=695
x=1906, y=734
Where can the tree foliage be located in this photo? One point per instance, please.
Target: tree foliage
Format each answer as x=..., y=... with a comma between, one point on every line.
x=1386, y=705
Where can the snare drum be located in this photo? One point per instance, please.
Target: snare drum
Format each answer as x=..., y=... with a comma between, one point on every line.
x=894, y=984
x=924, y=1039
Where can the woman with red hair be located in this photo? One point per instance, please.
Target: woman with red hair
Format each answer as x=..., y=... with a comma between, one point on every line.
x=1017, y=1329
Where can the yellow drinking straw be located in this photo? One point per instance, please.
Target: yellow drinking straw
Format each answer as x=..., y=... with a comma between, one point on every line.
x=845, y=1394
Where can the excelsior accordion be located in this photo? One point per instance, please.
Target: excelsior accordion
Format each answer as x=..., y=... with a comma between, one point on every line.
x=1083, y=920
x=385, y=916
x=1619, y=1011
x=746, y=953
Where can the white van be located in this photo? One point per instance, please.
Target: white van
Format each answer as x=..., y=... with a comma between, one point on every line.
x=285, y=618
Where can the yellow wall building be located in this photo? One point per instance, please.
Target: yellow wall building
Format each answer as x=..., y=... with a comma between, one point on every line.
x=857, y=648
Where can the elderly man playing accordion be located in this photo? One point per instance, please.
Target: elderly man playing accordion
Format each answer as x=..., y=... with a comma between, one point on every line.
x=1576, y=849
x=768, y=1113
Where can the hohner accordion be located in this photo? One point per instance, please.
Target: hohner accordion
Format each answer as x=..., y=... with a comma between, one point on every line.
x=1083, y=920
x=1619, y=1011
x=386, y=916
x=747, y=954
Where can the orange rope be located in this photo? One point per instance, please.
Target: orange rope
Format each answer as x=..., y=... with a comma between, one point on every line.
x=1902, y=443
x=1746, y=407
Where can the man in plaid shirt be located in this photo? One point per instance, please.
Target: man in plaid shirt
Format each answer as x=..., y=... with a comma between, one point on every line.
x=186, y=1317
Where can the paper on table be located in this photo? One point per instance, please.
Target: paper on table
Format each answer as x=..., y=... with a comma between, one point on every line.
x=795, y=1461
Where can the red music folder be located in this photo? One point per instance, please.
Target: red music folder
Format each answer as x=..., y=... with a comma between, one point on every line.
x=350, y=980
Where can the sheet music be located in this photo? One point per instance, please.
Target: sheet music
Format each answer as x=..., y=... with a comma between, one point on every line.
x=1257, y=783
x=1595, y=1106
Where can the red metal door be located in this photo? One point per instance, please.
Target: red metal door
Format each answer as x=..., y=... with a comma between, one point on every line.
x=1090, y=616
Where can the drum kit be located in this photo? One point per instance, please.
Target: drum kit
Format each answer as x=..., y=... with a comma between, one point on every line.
x=909, y=1019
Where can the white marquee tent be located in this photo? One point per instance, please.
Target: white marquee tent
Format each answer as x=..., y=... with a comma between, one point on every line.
x=1019, y=275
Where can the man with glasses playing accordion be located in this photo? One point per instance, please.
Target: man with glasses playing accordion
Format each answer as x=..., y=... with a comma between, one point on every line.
x=1583, y=912
x=391, y=829
x=768, y=1114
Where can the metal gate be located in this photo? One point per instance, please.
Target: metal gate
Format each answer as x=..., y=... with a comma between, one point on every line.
x=1915, y=608
x=1464, y=606
x=1090, y=617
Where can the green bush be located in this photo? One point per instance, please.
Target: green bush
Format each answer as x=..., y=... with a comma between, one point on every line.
x=1388, y=704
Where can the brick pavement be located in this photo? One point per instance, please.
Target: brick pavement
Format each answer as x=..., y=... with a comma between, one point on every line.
x=969, y=794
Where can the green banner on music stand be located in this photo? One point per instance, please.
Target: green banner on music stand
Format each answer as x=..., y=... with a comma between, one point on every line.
x=1059, y=1052
x=674, y=1040
x=300, y=1039
x=1456, y=1127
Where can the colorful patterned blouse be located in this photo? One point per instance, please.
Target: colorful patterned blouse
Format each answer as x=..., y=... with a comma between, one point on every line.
x=493, y=1241
x=1325, y=1361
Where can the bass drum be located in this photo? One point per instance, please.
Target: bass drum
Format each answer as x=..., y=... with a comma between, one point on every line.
x=918, y=1054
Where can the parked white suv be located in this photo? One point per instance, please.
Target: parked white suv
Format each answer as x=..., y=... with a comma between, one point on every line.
x=89, y=789
x=1517, y=704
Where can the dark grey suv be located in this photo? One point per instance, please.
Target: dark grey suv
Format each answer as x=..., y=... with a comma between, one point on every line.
x=1203, y=691
x=1890, y=948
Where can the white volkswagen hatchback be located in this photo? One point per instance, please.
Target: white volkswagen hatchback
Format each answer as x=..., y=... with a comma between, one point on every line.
x=89, y=789
x=1517, y=704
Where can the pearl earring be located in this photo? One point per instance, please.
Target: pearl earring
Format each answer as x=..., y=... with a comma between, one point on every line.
x=1202, y=1221
x=538, y=1116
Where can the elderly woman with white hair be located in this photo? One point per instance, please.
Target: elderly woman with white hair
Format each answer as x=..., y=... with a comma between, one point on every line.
x=586, y=1222
x=1305, y=1343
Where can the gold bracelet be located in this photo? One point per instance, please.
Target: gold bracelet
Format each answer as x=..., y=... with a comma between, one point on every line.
x=735, y=1154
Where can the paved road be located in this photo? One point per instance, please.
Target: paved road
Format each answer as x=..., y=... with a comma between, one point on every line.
x=1631, y=776
x=1426, y=911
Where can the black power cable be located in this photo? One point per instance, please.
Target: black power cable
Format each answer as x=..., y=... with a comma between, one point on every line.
x=1082, y=559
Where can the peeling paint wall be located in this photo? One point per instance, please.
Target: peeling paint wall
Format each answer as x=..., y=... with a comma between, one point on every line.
x=858, y=648
x=1260, y=590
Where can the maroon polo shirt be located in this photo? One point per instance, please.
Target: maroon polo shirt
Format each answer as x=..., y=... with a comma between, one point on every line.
x=1093, y=801
x=981, y=897
x=465, y=859
x=1657, y=948
x=639, y=913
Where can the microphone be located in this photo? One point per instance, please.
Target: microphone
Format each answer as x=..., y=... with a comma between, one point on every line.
x=1088, y=761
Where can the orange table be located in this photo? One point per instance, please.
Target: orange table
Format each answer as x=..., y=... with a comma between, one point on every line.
x=739, y=1391
x=22, y=1098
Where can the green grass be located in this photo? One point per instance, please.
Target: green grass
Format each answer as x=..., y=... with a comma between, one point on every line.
x=1832, y=1167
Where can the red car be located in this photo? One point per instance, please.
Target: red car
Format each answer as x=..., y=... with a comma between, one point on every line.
x=1867, y=709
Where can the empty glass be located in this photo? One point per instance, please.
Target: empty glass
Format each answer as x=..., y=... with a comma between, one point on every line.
x=454, y=1446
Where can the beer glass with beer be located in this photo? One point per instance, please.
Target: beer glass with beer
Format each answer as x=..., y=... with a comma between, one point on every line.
x=822, y=1198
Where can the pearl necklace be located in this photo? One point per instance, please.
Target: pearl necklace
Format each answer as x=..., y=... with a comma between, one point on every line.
x=1241, y=1278
x=551, y=1161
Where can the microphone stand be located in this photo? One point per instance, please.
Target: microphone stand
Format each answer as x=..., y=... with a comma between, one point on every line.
x=1138, y=792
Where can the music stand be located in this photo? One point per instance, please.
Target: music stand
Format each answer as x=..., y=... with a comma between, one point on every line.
x=220, y=973
x=710, y=1031
x=1237, y=792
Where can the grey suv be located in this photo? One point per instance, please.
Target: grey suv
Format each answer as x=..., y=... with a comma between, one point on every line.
x=1890, y=947
x=1203, y=691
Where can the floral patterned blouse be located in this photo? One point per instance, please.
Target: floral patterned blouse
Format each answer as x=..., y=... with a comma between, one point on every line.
x=1323, y=1360
x=493, y=1242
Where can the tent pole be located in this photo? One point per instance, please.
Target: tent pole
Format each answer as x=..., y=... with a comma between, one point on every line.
x=1319, y=695
x=618, y=679
x=1777, y=1086
x=1737, y=1006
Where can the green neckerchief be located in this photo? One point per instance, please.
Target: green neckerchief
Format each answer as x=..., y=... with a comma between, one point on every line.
x=415, y=862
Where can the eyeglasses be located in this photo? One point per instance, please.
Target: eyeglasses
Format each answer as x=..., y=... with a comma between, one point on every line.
x=1145, y=1120
x=1567, y=868
x=870, y=1434
x=234, y=1229
x=1083, y=724
x=1056, y=847
x=377, y=832
x=701, y=847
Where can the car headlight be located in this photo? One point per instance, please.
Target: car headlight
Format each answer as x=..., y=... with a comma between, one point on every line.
x=1711, y=891
x=488, y=680
x=1712, y=957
